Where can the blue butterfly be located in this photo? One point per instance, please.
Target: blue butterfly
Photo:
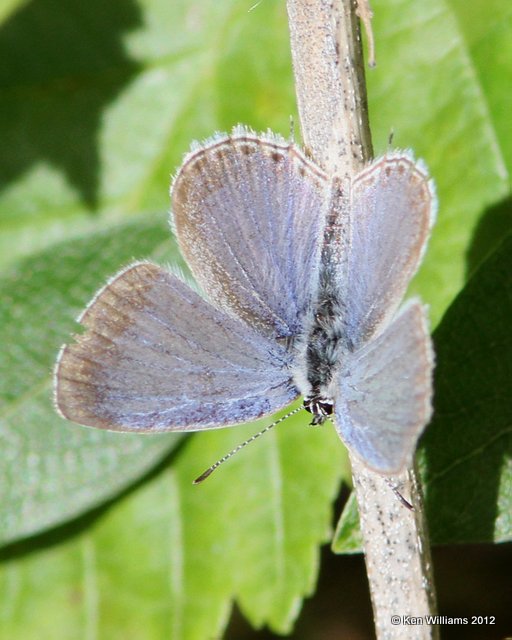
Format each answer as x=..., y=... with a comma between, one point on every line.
x=302, y=275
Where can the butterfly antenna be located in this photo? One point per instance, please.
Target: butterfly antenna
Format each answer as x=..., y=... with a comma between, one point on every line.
x=209, y=471
x=397, y=493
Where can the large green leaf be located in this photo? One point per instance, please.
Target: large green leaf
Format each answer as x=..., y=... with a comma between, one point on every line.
x=167, y=561
x=468, y=447
x=466, y=453
x=440, y=86
x=443, y=91
x=52, y=470
x=98, y=102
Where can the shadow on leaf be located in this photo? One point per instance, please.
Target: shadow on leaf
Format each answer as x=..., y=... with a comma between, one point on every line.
x=61, y=66
x=493, y=226
x=470, y=439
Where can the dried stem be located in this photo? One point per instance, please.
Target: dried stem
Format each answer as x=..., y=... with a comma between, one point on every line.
x=331, y=95
x=330, y=84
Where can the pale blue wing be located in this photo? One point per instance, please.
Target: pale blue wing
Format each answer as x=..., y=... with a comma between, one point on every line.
x=249, y=213
x=391, y=213
x=384, y=393
x=157, y=357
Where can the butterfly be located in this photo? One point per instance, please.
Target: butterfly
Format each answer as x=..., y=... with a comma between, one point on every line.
x=301, y=277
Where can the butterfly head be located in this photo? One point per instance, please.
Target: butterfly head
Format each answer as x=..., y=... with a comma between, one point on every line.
x=319, y=406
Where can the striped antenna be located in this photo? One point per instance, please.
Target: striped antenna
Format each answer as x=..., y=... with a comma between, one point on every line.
x=209, y=471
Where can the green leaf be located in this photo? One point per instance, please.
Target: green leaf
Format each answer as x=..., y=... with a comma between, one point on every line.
x=440, y=85
x=467, y=449
x=167, y=561
x=93, y=135
x=347, y=537
x=52, y=470
x=466, y=452
x=98, y=102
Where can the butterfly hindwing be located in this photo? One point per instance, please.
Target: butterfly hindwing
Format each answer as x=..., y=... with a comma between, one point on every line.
x=155, y=357
x=384, y=392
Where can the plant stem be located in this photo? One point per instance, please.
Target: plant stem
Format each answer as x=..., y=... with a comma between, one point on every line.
x=331, y=94
x=330, y=84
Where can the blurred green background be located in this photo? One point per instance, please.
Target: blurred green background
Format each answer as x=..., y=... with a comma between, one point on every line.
x=104, y=536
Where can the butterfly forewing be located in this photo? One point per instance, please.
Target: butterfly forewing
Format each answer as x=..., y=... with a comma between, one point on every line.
x=391, y=212
x=156, y=356
x=249, y=214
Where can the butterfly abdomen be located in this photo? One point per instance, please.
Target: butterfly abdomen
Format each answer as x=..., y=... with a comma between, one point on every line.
x=321, y=351
x=324, y=344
